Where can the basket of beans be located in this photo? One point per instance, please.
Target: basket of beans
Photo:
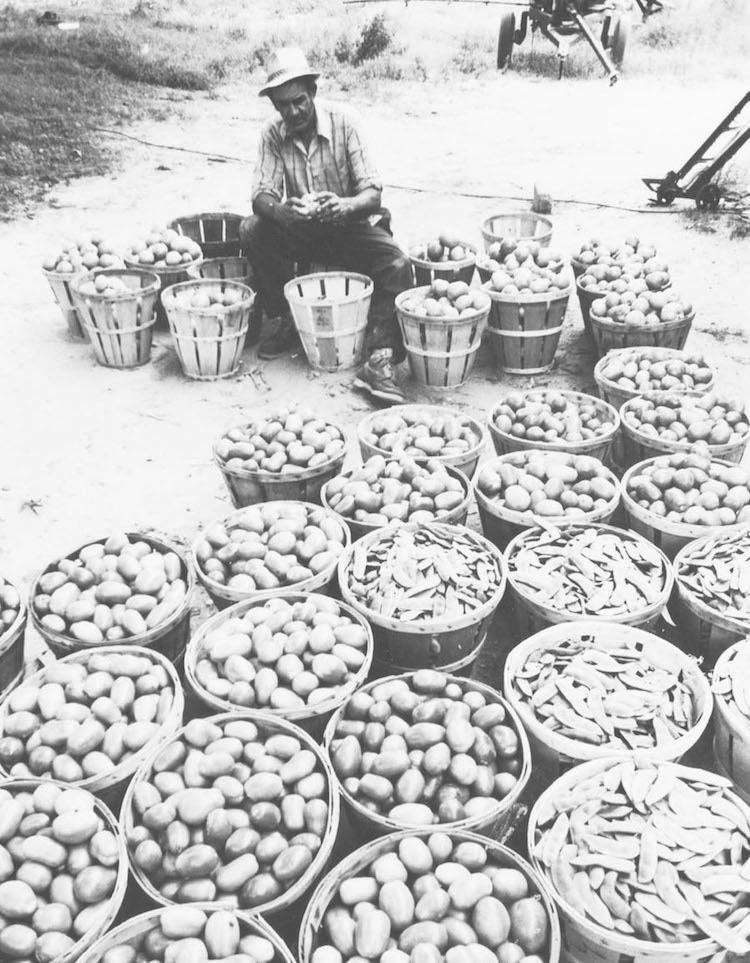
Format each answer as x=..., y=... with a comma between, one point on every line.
x=554, y=421
x=585, y=690
x=272, y=547
x=731, y=688
x=672, y=499
x=452, y=896
x=671, y=888
x=517, y=490
x=630, y=250
x=233, y=809
x=626, y=372
x=422, y=432
x=297, y=656
x=429, y=592
x=444, y=257
x=712, y=604
x=581, y=571
x=127, y=588
x=382, y=492
x=65, y=871
x=90, y=719
x=510, y=253
x=13, y=615
x=208, y=931
x=663, y=422
x=428, y=748
x=289, y=453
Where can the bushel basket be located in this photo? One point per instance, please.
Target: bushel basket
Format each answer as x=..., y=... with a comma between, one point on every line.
x=61, y=285
x=330, y=311
x=617, y=395
x=425, y=271
x=520, y=225
x=218, y=233
x=608, y=334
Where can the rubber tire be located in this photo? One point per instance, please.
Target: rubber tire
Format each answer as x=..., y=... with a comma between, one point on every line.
x=708, y=198
x=665, y=197
x=505, y=40
x=619, y=35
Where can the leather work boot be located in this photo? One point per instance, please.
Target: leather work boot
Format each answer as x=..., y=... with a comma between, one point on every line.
x=376, y=378
x=279, y=336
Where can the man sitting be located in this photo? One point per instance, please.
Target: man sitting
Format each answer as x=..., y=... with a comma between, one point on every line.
x=316, y=197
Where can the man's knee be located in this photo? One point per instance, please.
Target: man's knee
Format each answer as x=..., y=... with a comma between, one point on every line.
x=402, y=270
x=252, y=229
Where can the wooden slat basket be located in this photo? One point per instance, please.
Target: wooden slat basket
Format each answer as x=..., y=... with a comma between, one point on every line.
x=451, y=645
x=425, y=272
x=731, y=725
x=608, y=334
x=223, y=269
x=209, y=343
x=61, y=285
x=465, y=463
x=312, y=718
x=597, y=447
x=617, y=395
x=456, y=516
x=501, y=524
x=217, y=233
x=330, y=311
x=355, y=864
x=554, y=754
x=498, y=824
x=121, y=327
x=441, y=351
x=12, y=649
x=520, y=225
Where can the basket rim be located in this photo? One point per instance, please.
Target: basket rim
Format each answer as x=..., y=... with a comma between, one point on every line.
x=65, y=275
x=263, y=474
x=528, y=518
x=193, y=269
x=543, y=640
x=607, y=324
x=610, y=385
x=463, y=263
x=662, y=524
x=171, y=292
x=476, y=426
x=366, y=854
x=298, y=300
x=92, y=783
x=425, y=626
x=298, y=714
x=531, y=298
x=162, y=542
x=469, y=824
x=540, y=219
x=462, y=507
x=633, y=944
x=206, y=215
x=721, y=670
x=224, y=592
x=258, y=925
x=569, y=395
x=162, y=269
x=666, y=445
x=439, y=321
x=264, y=722
x=667, y=567
x=132, y=295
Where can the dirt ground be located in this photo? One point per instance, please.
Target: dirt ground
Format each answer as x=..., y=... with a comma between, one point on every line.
x=90, y=450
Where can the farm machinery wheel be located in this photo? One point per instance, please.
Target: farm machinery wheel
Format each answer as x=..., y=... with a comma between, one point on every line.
x=708, y=197
x=619, y=33
x=506, y=39
x=665, y=196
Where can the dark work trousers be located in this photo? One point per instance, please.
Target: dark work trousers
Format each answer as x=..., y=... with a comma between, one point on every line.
x=358, y=246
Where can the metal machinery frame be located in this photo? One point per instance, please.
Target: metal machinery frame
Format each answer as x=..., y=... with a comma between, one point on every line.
x=694, y=178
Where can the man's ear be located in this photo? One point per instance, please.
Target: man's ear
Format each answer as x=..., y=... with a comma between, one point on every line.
x=313, y=88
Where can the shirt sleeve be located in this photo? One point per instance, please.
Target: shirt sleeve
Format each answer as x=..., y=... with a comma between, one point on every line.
x=363, y=171
x=269, y=168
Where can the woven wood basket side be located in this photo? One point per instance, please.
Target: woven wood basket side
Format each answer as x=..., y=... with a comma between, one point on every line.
x=554, y=753
x=217, y=233
x=62, y=291
x=731, y=730
x=266, y=724
x=609, y=334
x=12, y=643
x=527, y=312
x=494, y=824
x=520, y=225
x=357, y=862
x=525, y=352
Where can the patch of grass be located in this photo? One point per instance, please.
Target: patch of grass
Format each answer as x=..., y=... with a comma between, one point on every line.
x=474, y=55
x=48, y=108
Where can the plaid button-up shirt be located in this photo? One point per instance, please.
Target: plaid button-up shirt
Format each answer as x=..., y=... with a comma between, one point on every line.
x=337, y=159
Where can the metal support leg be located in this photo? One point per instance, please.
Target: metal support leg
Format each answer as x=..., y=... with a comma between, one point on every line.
x=596, y=46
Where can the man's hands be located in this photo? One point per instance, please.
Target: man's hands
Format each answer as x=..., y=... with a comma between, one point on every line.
x=333, y=209
x=328, y=208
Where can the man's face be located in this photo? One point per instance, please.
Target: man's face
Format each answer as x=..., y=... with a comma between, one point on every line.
x=295, y=102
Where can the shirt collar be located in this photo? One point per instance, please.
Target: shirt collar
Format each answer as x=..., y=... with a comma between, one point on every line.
x=323, y=124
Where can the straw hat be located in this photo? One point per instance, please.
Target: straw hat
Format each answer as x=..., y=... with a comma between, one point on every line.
x=285, y=64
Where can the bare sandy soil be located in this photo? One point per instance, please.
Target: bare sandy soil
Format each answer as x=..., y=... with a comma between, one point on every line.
x=88, y=450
